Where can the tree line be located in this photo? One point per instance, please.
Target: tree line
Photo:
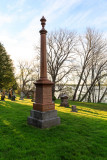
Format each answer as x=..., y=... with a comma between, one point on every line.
x=71, y=59
x=7, y=76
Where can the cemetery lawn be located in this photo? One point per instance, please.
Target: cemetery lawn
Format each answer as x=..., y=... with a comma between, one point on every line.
x=80, y=136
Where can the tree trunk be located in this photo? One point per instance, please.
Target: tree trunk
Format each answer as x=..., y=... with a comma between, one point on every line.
x=53, y=91
x=75, y=93
x=89, y=89
x=83, y=85
x=104, y=93
x=99, y=89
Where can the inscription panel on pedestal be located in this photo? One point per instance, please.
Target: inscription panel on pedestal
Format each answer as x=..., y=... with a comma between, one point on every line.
x=47, y=94
x=39, y=94
x=44, y=94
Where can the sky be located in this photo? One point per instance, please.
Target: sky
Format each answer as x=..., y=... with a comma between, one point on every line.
x=20, y=22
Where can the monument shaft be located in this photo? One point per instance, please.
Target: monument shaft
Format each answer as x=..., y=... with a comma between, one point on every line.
x=43, y=61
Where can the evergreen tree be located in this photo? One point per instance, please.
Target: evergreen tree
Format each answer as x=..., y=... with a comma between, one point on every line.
x=7, y=78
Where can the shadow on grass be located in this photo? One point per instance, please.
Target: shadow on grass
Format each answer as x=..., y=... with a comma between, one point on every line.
x=15, y=104
x=77, y=137
x=97, y=106
x=85, y=106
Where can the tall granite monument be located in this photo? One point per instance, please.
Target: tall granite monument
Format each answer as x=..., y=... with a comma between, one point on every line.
x=43, y=114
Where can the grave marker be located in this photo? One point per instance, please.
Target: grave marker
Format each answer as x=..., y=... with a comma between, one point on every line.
x=43, y=114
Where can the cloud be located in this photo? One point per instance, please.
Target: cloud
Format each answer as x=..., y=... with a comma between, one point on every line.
x=57, y=8
x=15, y=5
x=30, y=36
x=64, y=13
x=17, y=48
x=4, y=19
x=101, y=21
x=78, y=20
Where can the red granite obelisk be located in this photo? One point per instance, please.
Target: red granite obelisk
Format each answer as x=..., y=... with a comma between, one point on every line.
x=43, y=114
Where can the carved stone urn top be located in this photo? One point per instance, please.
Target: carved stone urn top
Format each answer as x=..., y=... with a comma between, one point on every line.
x=43, y=20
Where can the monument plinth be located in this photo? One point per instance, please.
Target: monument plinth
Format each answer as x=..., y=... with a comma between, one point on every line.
x=43, y=114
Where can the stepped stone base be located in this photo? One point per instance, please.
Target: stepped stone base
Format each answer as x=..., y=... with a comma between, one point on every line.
x=43, y=119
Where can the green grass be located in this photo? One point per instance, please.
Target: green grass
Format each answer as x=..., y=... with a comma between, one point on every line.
x=80, y=136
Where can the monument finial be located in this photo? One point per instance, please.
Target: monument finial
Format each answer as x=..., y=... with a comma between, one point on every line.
x=43, y=20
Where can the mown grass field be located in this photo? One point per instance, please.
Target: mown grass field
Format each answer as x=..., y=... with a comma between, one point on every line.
x=80, y=136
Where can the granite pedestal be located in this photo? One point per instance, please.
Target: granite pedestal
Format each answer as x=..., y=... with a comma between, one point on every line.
x=43, y=119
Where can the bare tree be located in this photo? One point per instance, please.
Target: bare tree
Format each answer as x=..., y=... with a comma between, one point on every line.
x=27, y=75
x=60, y=46
x=92, y=51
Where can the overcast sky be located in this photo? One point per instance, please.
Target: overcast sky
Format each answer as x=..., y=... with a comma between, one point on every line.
x=20, y=21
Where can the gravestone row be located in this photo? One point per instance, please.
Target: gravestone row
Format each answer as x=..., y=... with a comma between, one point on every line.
x=11, y=96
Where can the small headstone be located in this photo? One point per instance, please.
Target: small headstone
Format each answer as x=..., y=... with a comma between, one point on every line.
x=64, y=101
x=13, y=97
x=3, y=96
x=33, y=96
x=28, y=96
x=22, y=96
x=10, y=94
x=74, y=109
